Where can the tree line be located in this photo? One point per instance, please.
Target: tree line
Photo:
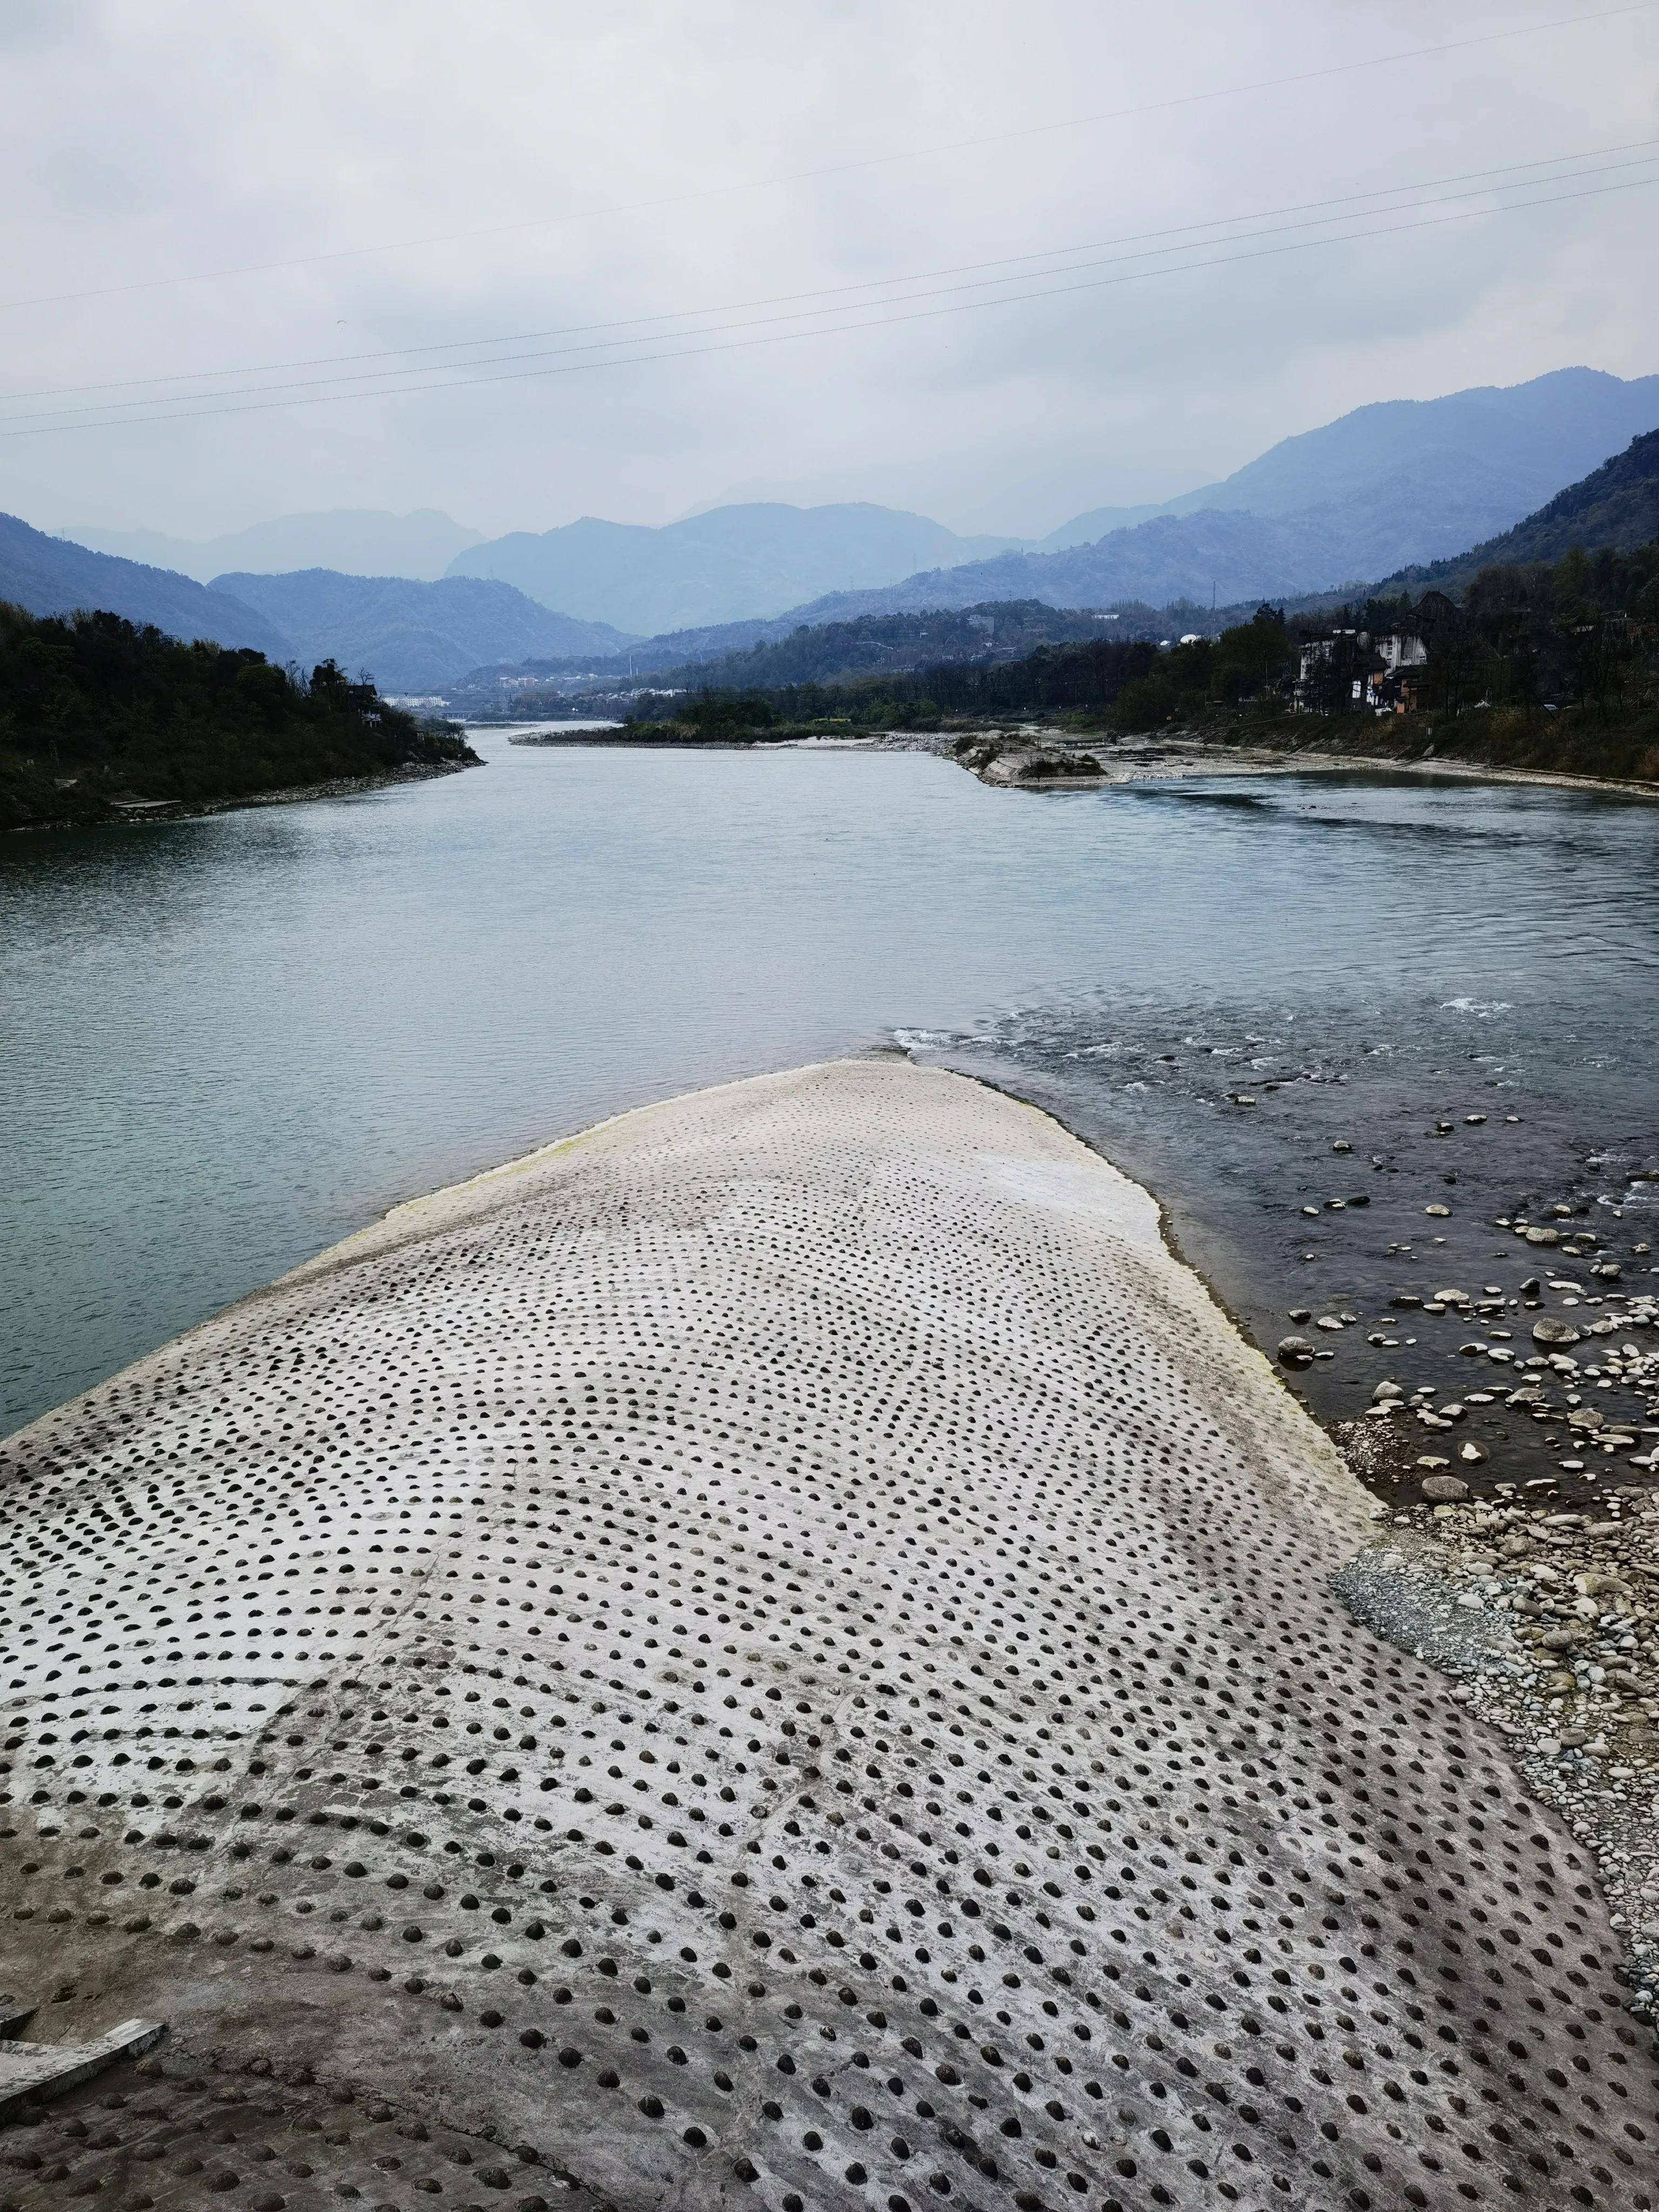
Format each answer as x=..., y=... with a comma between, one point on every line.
x=1576, y=639
x=95, y=712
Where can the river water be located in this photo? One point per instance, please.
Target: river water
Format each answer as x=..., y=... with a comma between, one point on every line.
x=226, y=1042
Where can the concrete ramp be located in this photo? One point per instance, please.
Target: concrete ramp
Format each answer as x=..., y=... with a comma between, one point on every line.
x=779, y=1653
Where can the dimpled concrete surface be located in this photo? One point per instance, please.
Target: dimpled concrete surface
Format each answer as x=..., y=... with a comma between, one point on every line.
x=777, y=1653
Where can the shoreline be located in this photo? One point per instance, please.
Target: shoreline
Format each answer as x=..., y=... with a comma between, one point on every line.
x=1148, y=760
x=1134, y=759
x=139, y=815
x=1273, y=762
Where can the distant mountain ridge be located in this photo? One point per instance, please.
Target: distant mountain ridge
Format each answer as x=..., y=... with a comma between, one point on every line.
x=49, y=577
x=1396, y=488
x=1528, y=438
x=1503, y=447
x=1384, y=490
x=357, y=541
x=730, y=564
x=414, y=638
x=1614, y=508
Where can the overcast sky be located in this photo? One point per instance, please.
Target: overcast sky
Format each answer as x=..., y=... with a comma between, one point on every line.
x=147, y=140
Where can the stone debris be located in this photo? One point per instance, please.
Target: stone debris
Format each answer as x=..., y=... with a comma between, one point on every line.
x=782, y=1652
x=1607, y=1404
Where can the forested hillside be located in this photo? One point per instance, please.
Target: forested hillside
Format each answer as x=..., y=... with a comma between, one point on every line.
x=1553, y=665
x=99, y=718
x=50, y=576
x=1615, y=509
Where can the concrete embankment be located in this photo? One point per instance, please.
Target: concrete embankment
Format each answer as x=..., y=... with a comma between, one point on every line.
x=780, y=1652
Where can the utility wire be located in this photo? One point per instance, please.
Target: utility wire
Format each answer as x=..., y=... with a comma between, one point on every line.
x=1348, y=200
x=838, y=168
x=875, y=322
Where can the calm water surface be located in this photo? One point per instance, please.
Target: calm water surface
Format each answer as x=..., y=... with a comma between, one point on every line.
x=225, y=1044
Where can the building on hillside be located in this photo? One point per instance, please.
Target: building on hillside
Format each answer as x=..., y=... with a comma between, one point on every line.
x=1394, y=688
x=1351, y=669
x=1328, y=670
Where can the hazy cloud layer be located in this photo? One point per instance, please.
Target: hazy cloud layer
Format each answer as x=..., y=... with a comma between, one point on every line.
x=145, y=142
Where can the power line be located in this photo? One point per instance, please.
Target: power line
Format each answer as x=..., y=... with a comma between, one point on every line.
x=876, y=322
x=836, y=168
x=1473, y=177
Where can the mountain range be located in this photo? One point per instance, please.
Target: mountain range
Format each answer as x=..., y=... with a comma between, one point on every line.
x=1386, y=490
x=1403, y=481
x=48, y=576
x=1615, y=508
x=1510, y=444
x=1399, y=484
x=727, y=565
x=358, y=541
x=414, y=637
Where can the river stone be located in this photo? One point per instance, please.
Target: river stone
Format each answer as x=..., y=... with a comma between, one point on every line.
x=1550, y=1328
x=1444, y=1489
x=1295, y=1352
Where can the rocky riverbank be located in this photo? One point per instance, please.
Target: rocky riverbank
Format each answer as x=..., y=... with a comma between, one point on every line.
x=1549, y=1622
x=1042, y=757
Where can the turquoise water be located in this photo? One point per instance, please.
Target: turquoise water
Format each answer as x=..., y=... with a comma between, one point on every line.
x=226, y=1042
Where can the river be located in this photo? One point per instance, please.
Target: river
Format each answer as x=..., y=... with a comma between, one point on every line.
x=226, y=1042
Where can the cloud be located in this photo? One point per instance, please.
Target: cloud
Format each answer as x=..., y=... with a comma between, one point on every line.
x=625, y=164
